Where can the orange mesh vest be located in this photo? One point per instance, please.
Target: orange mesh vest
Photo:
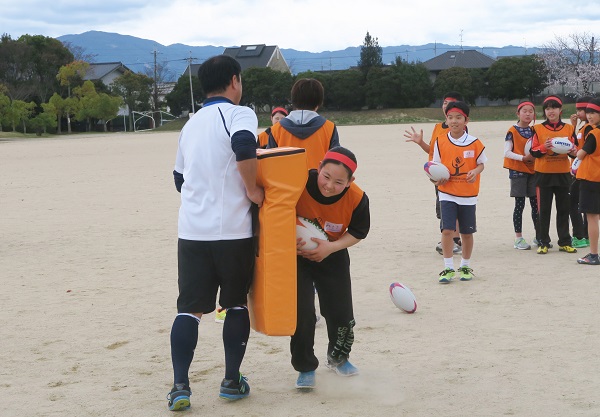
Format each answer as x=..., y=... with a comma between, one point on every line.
x=263, y=138
x=333, y=218
x=518, y=147
x=460, y=160
x=552, y=163
x=316, y=145
x=589, y=169
x=438, y=130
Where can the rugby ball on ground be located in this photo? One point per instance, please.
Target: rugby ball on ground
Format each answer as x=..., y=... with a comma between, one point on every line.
x=561, y=145
x=527, y=150
x=403, y=298
x=436, y=170
x=305, y=229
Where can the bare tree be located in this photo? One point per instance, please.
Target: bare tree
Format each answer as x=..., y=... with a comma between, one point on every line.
x=572, y=62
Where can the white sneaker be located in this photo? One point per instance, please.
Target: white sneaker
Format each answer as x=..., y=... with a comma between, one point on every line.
x=521, y=244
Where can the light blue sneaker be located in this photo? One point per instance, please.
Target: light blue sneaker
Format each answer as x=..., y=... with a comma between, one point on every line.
x=234, y=390
x=344, y=368
x=306, y=380
x=179, y=397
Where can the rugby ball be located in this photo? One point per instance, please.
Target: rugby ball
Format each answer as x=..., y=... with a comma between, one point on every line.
x=403, y=298
x=305, y=229
x=436, y=170
x=575, y=166
x=527, y=150
x=561, y=145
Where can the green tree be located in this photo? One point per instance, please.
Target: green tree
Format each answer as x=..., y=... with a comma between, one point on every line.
x=383, y=88
x=44, y=120
x=106, y=108
x=455, y=79
x=347, y=90
x=416, y=89
x=72, y=74
x=180, y=100
x=265, y=87
x=64, y=107
x=18, y=112
x=136, y=90
x=516, y=77
x=47, y=56
x=16, y=68
x=370, y=54
x=87, y=96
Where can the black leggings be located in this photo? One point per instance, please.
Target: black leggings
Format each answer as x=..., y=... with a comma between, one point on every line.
x=518, y=213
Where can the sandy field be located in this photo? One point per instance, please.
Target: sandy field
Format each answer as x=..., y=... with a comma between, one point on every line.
x=88, y=272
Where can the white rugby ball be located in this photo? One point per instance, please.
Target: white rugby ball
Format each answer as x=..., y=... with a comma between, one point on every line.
x=403, y=298
x=305, y=229
x=527, y=150
x=575, y=166
x=436, y=170
x=561, y=145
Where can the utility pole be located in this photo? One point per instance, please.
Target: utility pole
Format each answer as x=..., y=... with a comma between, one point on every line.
x=155, y=92
x=191, y=88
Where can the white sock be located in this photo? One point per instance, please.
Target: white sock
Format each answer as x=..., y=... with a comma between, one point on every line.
x=449, y=263
x=464, y=262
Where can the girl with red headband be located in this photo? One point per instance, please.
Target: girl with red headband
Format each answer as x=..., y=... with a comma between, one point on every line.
x=588, y=174
x=552, y=176
x=341, y=208
x=578, y=220
x=519, y=163
x=277, y=114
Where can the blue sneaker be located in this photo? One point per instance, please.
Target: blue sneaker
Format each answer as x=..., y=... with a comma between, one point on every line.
x=306, y=380
x=179, y=397
x=344, y=368
x=232, y=390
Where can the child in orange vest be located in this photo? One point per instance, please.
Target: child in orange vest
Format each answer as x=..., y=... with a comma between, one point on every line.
x=552, y=176
x=341, y=208
x=588, y=173
x=464, y=156
x=519, y=163
x=580, y=237
x=304, y=127
x=438, y=129
x=277, y=114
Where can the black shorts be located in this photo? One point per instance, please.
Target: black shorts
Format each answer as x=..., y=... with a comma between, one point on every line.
x=589, y=197
x=522, y=186
x=451, y=212
x=206, y=266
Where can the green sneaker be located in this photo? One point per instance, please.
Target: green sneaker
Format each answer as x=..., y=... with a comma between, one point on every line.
x=521, y=244
x=466, y=273
x=579, y=243
x=446, y=275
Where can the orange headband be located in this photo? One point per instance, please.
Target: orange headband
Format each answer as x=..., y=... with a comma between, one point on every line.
x=457, y=110
x=593, y=107
x=526, y=103
x=553, y=98
x=336, y=156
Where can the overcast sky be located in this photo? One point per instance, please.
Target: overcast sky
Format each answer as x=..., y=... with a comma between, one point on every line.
x=308, y=25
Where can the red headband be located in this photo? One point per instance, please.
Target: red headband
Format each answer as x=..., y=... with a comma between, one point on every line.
x=450, y=99
x=525, y=103
x=336, y=156
x=581, y=105
x=279, y=110
x=457, y=110
x=593, y=107
x=553, y=98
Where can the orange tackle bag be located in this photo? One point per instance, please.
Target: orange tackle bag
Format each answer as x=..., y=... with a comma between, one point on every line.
x=282, y=172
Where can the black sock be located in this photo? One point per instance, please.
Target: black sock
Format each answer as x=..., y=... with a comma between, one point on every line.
x=184, y=337
x=236, y=331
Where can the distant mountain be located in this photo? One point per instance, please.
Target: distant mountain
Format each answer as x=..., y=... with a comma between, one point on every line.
x=137, y=53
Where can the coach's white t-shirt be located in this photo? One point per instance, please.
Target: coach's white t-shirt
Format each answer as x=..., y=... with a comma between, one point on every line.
x=214, y=205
